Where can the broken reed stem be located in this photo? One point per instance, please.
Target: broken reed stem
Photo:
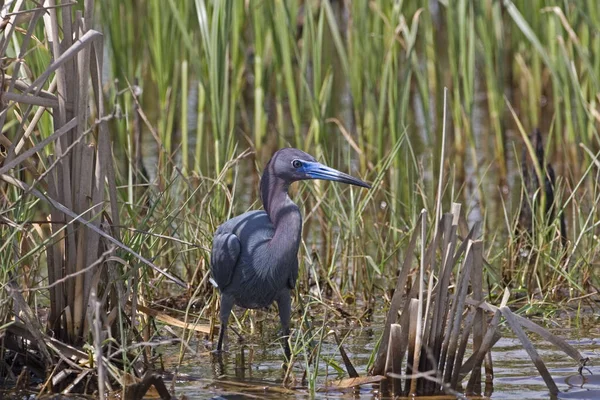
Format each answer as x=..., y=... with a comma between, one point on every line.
x=438, y=205
x=412, y=340
x=419, y=320
x=394, y=359
x=528, y=346
x=396, y=305
x=447, y=345
x=456, y=313
x=347, y=363
x=474, y=385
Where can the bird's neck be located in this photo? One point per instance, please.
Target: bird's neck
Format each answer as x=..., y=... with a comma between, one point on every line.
x=282, y=211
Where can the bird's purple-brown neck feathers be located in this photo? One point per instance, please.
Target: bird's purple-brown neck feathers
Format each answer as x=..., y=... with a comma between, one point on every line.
x=275, y=198
x=282, y=211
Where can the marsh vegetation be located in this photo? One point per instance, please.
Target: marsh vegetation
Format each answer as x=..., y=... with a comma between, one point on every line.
x=131, y=129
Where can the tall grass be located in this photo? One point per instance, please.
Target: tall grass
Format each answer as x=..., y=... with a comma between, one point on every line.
x=198, y=94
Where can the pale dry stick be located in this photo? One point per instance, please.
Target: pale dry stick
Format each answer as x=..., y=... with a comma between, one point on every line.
x=167, y=237
x=533, y=354
x=89, y=36
x=34, y=121
x=88, y=13
x=53, y=345
x=82, y=91
x=60, y=115
x=33, y=150
x=419, y=338
x=168, y=320
x=29, y=99
x=62, y=375
x=72, y=385
x=23, y=186
x=411, y=322
x=533, y=327
x=393, y=363
x=565, y=23
x=438, y=205
x=595, y=158
x=83, y=173
x=22, y=86
x=104, y=144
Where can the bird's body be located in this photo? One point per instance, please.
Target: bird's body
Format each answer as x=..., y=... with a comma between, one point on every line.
x=254, y=259
x=258, y=274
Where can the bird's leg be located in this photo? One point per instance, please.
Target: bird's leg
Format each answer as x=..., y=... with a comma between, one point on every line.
x=226, y=306
x=284, y=302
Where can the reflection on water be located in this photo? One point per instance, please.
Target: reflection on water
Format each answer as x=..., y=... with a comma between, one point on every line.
x=255, y=369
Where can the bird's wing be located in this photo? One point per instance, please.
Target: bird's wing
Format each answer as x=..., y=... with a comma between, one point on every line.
x=224, y=257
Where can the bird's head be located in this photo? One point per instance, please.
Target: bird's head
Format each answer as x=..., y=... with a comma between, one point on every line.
x=293, y=165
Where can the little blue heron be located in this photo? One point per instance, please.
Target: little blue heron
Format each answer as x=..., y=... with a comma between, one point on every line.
x=254, y=259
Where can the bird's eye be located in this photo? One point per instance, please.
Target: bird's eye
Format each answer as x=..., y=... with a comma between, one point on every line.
x=296, y=163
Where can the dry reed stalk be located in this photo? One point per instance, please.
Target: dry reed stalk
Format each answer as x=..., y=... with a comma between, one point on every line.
x=394, y=359
x=474, y=385
x=456, y=313
x=77, y=180
x=457, y=320
x=411, y=361
x=392, y=315
x=419, y=316
x=530, y=348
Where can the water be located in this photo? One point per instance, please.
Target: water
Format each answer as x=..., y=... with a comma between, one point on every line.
x=254, y=369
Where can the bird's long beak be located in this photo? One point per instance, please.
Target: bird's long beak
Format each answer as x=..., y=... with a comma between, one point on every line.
x=316, y=170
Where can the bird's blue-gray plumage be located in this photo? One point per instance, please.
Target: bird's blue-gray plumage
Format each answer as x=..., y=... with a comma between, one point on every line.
x=254, y=259
x=257, y=271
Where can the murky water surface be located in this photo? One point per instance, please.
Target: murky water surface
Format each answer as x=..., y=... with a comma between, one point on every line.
x=254, y=369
